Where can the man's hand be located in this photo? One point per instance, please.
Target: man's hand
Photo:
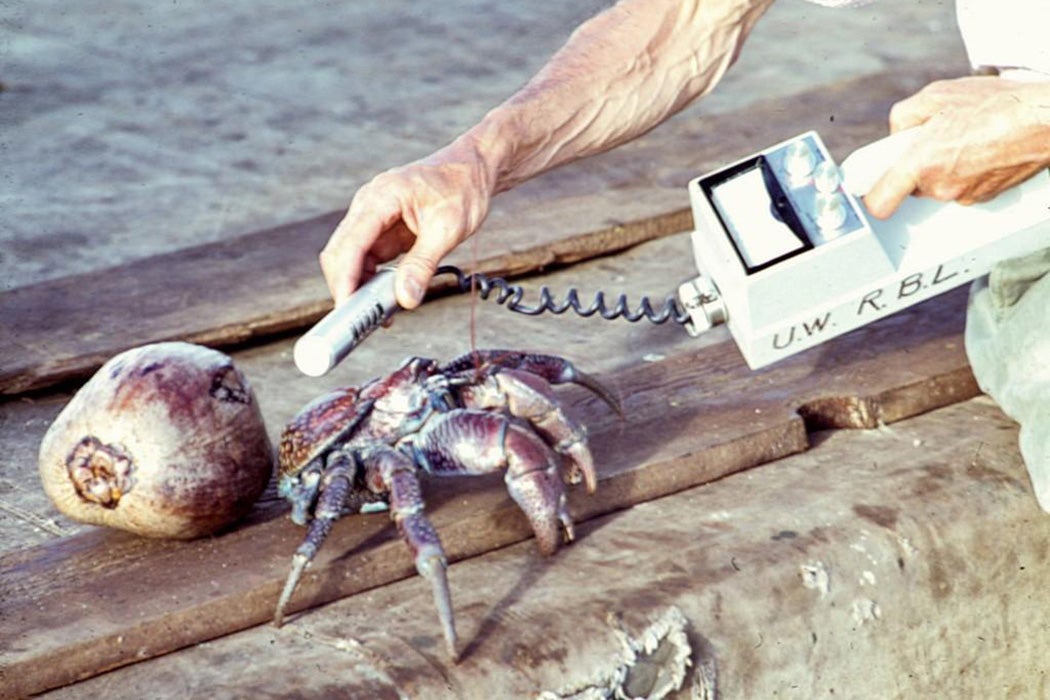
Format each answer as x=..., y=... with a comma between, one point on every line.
x=981, y=136
x=425, y=208
x=620, y=73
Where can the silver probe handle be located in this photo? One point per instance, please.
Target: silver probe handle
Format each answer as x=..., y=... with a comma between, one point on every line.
x=327, y=343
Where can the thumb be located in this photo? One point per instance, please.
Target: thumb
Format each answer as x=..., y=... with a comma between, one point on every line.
x=437, y=233
x=889, y=192
x=414, y=273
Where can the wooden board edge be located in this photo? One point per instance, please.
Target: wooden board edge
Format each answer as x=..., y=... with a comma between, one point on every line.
x=499, y=524
x=473, y=536
x=27, y=377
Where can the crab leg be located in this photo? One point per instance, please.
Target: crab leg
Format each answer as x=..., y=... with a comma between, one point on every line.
x=556, y=370
x=398, y=475
x=336, y=481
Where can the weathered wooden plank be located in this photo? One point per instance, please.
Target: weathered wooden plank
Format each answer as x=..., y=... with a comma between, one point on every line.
x=872, y=565
x=113, y=599
x=267, y=282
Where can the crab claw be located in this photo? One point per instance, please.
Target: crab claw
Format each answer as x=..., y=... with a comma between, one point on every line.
x=529, y=396
x=598, y=389
x=554, y=369
x=580, y=464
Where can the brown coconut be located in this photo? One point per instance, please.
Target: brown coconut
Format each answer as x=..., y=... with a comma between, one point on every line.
x=165, y=440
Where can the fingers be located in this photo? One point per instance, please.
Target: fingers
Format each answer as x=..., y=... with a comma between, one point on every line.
x=372, y=234
x=931, y=100
x=349, y=254
x=440, y=230
x=995, y=183
x=904, y=177
x=423, y=209
x=910, y=112
x=939, y=181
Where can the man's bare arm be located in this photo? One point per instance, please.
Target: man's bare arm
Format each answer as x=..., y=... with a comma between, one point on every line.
x=620, y=74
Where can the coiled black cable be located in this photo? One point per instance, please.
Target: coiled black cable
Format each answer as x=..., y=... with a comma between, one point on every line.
x=510, y=295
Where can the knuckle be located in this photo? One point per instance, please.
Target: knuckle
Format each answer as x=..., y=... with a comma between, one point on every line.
x=448, y=223
x=326, y=258
x=368, y=189
x=425, y=262
x=897, y=111
x=944, y=191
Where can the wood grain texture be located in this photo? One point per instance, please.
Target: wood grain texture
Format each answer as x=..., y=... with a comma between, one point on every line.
x=84, y=604
x=267, y=282
x=873, y=565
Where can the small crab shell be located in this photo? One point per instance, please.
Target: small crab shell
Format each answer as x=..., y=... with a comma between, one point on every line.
x=319, y=425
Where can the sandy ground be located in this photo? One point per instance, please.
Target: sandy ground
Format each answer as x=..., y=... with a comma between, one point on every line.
x=132, y=127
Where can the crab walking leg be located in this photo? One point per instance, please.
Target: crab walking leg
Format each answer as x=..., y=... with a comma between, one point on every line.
x=471, y=441
x=530, y=397
x=554, y=369
x=399, y=477
x=336, y=481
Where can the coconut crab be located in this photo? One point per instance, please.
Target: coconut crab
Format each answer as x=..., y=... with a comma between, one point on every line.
x=361, y=449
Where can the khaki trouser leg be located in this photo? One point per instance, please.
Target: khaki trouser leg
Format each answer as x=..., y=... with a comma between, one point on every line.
x=1008, y=344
